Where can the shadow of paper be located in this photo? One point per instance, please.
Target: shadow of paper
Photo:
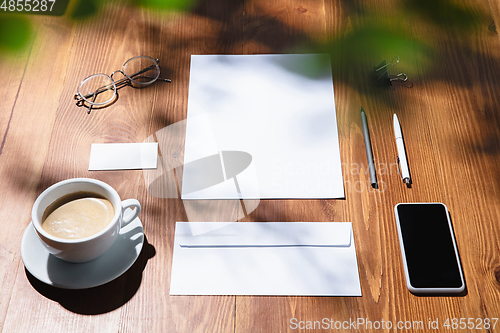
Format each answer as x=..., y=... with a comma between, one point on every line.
x=212, y=170
x=101, y=299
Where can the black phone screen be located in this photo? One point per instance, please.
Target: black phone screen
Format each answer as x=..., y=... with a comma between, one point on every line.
x=431, y=256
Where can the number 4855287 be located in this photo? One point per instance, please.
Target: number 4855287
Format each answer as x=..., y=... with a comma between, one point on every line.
x=27, y=5
x=470, y=323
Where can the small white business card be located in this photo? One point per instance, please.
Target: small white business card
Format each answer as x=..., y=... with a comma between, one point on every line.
x=123, y=156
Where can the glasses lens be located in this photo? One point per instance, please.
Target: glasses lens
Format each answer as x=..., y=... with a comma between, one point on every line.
x=142, y=70
x=97, y=89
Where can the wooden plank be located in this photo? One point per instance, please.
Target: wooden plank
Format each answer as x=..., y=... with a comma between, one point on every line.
x=371, y=211
x=448, y=117
x=25, y=146
x=495, y=13
x=384, y=290
x=180, y=35
x=137, y=114
x=464, y=125
x=13, y=69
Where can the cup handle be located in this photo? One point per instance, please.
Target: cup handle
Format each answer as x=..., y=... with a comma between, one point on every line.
x=130, y=214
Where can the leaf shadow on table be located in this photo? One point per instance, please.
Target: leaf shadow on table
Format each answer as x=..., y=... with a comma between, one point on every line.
x=101, y=299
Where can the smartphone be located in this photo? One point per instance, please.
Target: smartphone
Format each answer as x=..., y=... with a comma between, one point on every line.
x=429, y=250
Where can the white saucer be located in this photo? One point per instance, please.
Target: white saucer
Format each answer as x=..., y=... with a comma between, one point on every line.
x=59, y=273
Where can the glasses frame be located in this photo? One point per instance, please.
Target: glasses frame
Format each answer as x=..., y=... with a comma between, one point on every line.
x=128, y=80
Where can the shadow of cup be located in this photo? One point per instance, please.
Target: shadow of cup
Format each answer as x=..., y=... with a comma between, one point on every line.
x=100, y=299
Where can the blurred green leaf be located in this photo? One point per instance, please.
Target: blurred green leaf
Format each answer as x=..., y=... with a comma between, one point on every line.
x=167, y=5
x=361, y=49
x=373, y=43
x=446, y=13
x=15, y=33
x=85, y=9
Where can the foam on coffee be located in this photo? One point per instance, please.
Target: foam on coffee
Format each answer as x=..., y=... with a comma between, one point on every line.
x=77, y=215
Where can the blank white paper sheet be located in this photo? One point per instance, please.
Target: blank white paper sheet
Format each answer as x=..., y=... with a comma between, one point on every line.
x=277, y=112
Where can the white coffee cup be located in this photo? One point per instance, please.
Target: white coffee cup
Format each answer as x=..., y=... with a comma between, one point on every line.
x=91, y=247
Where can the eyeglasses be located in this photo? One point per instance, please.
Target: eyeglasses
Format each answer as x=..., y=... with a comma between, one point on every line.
x=99, y=90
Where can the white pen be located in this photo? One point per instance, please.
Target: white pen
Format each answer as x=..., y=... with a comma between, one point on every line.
x=402, y=160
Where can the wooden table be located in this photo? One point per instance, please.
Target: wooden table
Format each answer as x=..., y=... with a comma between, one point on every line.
x=449, y=110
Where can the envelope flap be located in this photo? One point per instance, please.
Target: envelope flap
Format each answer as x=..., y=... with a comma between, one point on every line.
x=267, y=234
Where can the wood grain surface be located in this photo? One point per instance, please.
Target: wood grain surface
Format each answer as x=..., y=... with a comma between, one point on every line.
x=449, y=110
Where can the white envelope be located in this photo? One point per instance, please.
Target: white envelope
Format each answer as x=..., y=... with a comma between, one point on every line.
x=265, y=258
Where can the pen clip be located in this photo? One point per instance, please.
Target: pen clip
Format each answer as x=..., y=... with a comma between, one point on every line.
x=407, y=180
x=399, y=168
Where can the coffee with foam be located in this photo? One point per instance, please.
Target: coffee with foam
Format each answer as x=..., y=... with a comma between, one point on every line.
x=77, y=215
